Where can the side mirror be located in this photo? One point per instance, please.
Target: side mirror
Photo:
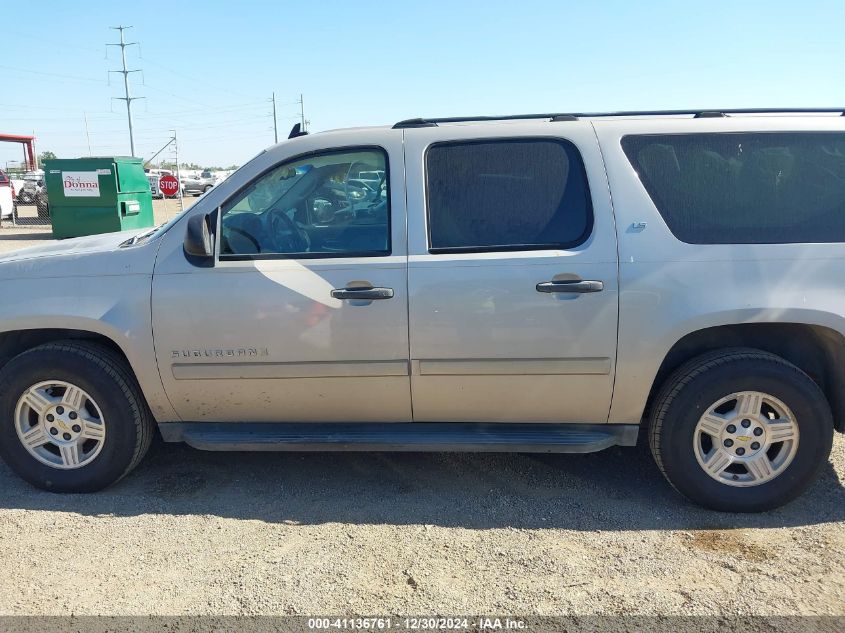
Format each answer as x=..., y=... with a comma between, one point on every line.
x=198, y=242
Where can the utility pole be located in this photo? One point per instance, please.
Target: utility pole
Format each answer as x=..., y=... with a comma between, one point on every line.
x=127, y=98
x=302, y=113
x=178, y=174
x=275, y=124
x=87, y=136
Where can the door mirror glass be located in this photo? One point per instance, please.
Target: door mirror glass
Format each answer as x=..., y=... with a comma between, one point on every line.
x=198, y=242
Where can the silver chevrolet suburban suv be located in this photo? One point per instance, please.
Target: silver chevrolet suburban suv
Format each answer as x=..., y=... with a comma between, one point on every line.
x=535, y=283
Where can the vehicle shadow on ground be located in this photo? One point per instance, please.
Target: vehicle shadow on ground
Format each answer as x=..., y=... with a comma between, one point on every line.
x=23, y=237
x=618, y=489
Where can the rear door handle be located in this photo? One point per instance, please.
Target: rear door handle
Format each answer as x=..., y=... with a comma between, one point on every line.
x=571, y=285
x=365, y=294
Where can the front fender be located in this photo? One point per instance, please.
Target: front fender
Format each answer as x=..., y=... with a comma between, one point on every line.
x=114, y=306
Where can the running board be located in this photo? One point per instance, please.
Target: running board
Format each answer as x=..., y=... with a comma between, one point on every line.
x=403, y=436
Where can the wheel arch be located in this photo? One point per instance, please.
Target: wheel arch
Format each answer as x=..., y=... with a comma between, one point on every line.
x=16, y=341
x=817, y=350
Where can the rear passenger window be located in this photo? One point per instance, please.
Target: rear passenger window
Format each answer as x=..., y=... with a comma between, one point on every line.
x=520, y=194
x=749, y=188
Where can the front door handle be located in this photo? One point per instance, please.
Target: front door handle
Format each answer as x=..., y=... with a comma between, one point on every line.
x=571, y=285
x=364, y=294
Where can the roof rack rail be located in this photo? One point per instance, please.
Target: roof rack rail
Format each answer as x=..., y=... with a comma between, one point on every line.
x=700, y=113
x=461, y=119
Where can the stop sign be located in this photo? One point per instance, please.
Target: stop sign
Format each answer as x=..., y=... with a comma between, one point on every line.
x=168, y=185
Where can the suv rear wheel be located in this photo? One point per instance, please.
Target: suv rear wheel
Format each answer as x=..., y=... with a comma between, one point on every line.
x=72, y=418
x=740, y=430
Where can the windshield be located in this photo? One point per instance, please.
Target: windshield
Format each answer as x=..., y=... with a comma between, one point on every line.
x=163, y=228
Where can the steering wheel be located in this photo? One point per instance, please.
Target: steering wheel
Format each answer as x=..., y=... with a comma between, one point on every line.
x=242, y=233
x=286, y=233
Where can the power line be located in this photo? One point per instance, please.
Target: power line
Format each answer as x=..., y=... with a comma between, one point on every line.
x=194, y=81
x=42, y=41
x=29, y=71
x=175, y=96
x=110, y=116
x=230, y=123
x=127, y=98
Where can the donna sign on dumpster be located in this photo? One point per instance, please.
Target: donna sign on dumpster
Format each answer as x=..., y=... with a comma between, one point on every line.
x=81, y=184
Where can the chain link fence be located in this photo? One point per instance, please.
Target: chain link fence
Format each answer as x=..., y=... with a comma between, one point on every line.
x=30, y=206
x=30, y=212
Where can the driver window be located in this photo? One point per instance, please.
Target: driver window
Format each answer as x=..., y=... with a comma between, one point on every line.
x=324, y=205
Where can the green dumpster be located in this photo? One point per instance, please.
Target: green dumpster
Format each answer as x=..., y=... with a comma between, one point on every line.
x=97, y=195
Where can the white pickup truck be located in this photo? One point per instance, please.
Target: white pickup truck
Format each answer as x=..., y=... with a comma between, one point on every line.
x=7, y=196
x=154, y=177
x=546, y=283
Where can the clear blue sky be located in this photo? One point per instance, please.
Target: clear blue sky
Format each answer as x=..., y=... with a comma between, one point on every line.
x=209, y=67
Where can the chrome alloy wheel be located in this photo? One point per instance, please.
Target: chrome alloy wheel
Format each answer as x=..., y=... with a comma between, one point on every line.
x=60, y=425
x=746, y=439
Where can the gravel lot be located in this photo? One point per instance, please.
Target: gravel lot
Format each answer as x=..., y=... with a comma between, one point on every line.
x=215, y=533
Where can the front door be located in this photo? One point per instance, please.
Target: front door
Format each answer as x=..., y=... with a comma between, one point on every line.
x=303, y=317
x=512, y=274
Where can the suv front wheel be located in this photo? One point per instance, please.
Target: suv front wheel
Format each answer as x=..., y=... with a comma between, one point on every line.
x=72, y=418
x=740, y=430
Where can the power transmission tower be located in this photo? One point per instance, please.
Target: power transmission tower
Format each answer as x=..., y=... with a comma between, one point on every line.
x=303, y=122
x=125, y=72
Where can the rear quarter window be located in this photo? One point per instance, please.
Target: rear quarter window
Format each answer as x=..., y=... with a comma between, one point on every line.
x=745, y=188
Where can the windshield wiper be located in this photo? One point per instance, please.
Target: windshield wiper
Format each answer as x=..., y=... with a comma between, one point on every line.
x=141, y=236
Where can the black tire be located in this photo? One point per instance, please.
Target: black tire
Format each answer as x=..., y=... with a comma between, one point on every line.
x=704, y=380
x=206, y=188
x=104, y=375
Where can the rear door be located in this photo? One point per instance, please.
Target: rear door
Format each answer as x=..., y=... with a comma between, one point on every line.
x=512, y=274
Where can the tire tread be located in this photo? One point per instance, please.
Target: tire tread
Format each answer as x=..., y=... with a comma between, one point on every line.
x=118, y=370
x=686, y=373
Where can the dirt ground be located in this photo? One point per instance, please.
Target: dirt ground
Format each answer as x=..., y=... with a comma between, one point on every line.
x=427, y=534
